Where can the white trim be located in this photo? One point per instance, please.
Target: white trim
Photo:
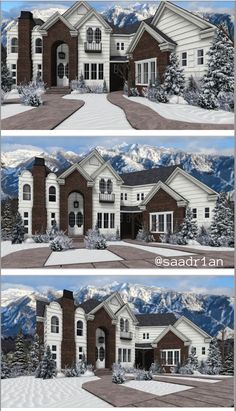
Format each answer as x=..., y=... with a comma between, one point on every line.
x=192, y=179
x=102, y=168
x=126, y=306
x=145, y=27
x=75, y=6
x=181, y=58
x=165, y=213
x=160, y=185
x=90, y=14
x=52, y=20
x=70, y=170
x=194, y=326
x=90, y=155
x=173, y=350
x=142, y=62
x=200, y=57
x=178, y=333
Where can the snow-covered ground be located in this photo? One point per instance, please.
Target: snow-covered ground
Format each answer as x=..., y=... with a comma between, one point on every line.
x=30, y=392
x=156, y=387
x=200, y=247
x=186, y=112
x=80, y=256
x=96, y=114
x=9, y=110
x=7, y=247
x=194, y=379
x=165, y=252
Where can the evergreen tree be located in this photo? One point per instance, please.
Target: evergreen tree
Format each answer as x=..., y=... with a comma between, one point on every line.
x=104, y=87
x=228, y=366
x=34, y=354
x=193, y=359
x=189, y=228
x=19, y=360
x=222, y=226
x=192, y=85
x=47, y=367
x=5, y=369
x=6, y=78
x=174, y=81
x=220, y=71
x=7, y=220
x=214, y=361
x=18, y=232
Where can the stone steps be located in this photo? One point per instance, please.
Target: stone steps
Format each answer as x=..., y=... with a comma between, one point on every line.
x=102, y=371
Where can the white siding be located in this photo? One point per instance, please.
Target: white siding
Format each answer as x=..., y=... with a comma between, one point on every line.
x=92, y=165
x=197, y=340
x=25, y=206
x=132, y=194
x=128, y=344
x=52, y=207
x=119, y=39
x=80, y=341
x=36, y=57
x=77, y=14
x=154, y=332
x=11, y=57
x=114, y=304
x=53, y=338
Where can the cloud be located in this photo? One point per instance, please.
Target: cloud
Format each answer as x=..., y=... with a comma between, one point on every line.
x=6, y=286
x=8, y=147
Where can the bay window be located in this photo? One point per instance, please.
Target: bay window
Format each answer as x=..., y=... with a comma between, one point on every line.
x=161, y=222
x=145, y=71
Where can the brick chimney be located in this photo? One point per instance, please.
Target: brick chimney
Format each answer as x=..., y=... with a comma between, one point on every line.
x=39, y=212
x=24, y=64
x=68, y=332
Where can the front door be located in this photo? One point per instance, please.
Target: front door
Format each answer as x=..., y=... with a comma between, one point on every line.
x=63, y=65
x=75, y=214
x=100, y=348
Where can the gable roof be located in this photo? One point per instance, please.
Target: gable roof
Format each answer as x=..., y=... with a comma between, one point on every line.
x=127, y=307
x=89, y=305
x=194, y=180
x=91, y=13
x=53, y=19
x=193, y=325
x=181, y=201
x=103, y=167
x=76, y=5
x=155, y=320
x=151, y=176
x=71, y=169
x=92, y=153
x=178, y=334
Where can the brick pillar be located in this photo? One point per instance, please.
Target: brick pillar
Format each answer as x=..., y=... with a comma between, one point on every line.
x=68, y=330
x=24, y=63
x=39, y=212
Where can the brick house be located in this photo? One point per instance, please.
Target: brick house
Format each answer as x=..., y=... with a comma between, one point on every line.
x=108, y=331
x=82, y=41
x=91, y=192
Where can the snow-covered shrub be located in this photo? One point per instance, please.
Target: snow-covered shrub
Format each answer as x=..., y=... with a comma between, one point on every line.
x=222, y=225
x=5, y=368
x=203, y=236
x=134, y=92
x=192, y=97
x=142, y=375
x=228, y=366
x=184, y=369
x=145, y=92
x=203, y=368
x=176, y=238
x=47, y=367
x=94, y=240
x=104, y=87
x=18, y=232
x=174, y=81
x=82, y=365
x=161, y=95
x=79, y=85
x=189, y=228
x=41, y=238
x=31, y=93
x=156, y=368
x=207, y=99
x=6, y=78
x=61, y=242
x=118, y=374
x=214, y=359
x=145, y=235
x=226, y=101
x=96, y=89
x=71, y=372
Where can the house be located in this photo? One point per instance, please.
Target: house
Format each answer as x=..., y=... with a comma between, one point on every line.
x=108, y=331
x=82, y=41
x=91, y=192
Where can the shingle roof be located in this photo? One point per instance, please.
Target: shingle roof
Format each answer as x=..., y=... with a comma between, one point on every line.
x=38, y=22
x=40, y=307
x=89, y=305
x=141, y=345
x=151, y=176
x=158, y=319
x=130, y=208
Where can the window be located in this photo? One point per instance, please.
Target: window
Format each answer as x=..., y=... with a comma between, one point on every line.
x=119, y=355
x=129, y=355
x=154, y=223
x=60, y=70
x=102, y=186
x=139, y=73
x=99, y=220
x=39, y=71
x=80, y=327
x=194, y=211
x=124, y=355
x=147, y=336
x=176, y=357
x=109, y=186
x=203, y=350
x=101, y=353
x=170, y=357
x=112, y=220
x=207, y=212
x=153, y=71
x=161, y=222
x=127, y=325
x=200, y=57
x=93, y=71
x=80, y=353
x=86, y=71
x=106, y=220
x=194, y=350
x=144, y=336
x=52, y=193
x=121, y=196
x=67, y=70
x=55, y=324
x=145, y=73
x=13, y=73
x=184, y=59
x=169, y=223
x=122, y=324
x=98, y=35
x=142, y=196
x=117, y=46
x=26, y=222
x=14, y=45
x=53, y=218
x=38, y=46
x=26, y=192
x=122, y=46
x=90, y=35
x=54, y=352
x=100, y=72
x=79, y=219
x=138, y=197
x=72, y=219
x=126, y=196
x=54, y=347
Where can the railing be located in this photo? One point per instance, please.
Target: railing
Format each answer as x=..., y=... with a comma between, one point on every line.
x=92, y=47
x=126, y=335
x=106, y=198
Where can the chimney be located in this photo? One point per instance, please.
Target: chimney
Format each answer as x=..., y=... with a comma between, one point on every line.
x=39, y=212
x=68, y=332
x=24, y=64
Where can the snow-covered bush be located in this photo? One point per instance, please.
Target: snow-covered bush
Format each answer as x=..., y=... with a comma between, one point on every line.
x=104, y=87
x=203, y=368
x=144, y=235
x=214, y=360
x=142, y=375
x=174, y=81
x=96, y=89
x=71, y=372
x=31, y=93
x=94, y=240
x=47, y=367
x=222, y=225
x=192, y=97
x=228, y=366
x=18, y=232
x=189, y=228
x=203, y=236
x=184, y=369
x=226, y=101
x=48, y=236
x=79, y=85
x=134, y=92
x=156, y=368
x=6, y=78
x=61, y=242
x=207, y=99
x=118, y=374
x=41, y=238
x=192, y=360
x=161, y=95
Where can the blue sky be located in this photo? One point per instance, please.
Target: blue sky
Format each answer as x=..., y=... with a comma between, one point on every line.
x=12, y=8
x=201, y=144
x=217, y=284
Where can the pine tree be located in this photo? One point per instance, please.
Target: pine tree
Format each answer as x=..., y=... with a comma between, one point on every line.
x=193, y=359
x=5, y=369
x=228, y=366
x=34, y=355
x=189, y=228
x=6, y=78
x=222, y=226
x=18, y=232
x=7, y=222
x=214, y=361
x=174, y=81
x=47, y=367
x=220, y=71
x=104, y=87
x=19, y=360
x=192, y=85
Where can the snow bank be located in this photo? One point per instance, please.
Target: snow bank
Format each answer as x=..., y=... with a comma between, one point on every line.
x=7, y=247
x=156, y=387
x=200, y=247
x=80, y=256
x=186, y=113
x=9, y=110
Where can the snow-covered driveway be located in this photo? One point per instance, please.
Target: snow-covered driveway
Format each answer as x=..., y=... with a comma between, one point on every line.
x=30, y=392
x=96, y=114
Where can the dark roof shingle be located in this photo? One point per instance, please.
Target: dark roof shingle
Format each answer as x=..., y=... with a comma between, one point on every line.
x=151, y=176
x=89, y=305
x=40, y=307
x=158, y=319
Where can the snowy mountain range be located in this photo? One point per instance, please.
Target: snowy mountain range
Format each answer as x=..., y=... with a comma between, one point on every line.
x=217, y=171
x=211, y=312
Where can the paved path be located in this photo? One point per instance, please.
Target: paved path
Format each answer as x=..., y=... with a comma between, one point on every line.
x=202, y=394
x=46, y=117
x=96, y=114
x=144, y=118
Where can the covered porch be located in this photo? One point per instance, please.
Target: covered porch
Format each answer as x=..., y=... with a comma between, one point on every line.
x=144, y=355
x=131, y=219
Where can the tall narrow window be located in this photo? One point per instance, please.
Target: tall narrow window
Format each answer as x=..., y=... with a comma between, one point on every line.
x=153, y=71
x=122, y=46
x=79, y=219
x=100, y=71
x=112, y=220
x=13, y=73
x=117, y=46
x=52, y=194
x=129, y=355
x=154, y=223
x=106, y=220
x=200, y=57
x=55, y=324
x=101, y=354
x=139, y=76
x=38, y=46
x=207, y=212
x=67, y=70
x=60, y=70
x=102, y=186
x=86, y=71
x=72, y=219
x=194, y=211
x=161, y=223
x=126, y=196
x=99, y=220
x=80, y=327
x=93, y=71
x=109, y=186
x=169, y=223
x=26, y=222
x=184, y=58
x=98, y=35
x=119, y=355
x=126, y=325
x=26, y=192
x=122, y=324
x=14, y=45
x=90, y=35
x=124, y=355
x=145, y=73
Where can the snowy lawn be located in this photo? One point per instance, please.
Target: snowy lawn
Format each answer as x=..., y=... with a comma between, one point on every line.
x=193, y=379
x=156, y=387
x=200, y=247
x=80, y=256
x=7, y=247
x=9, y=110
x=186, y=112
x=96, y=114
x=30, y=392
x=156, y=250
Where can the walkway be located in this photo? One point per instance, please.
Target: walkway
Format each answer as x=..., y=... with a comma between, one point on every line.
x=144, y=118
x=96, y=114
x=46, y=117
x=201, y=394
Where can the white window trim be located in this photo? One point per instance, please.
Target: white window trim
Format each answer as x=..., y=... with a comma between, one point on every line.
x=204, y=57
x=149, y=61
x=207, y=218
x=181, y=58
x=194, y=208
x=173, y=356
x=165, y=220
x=97, y=72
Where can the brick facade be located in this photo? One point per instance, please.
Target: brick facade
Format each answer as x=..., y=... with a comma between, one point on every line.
x=68, y=331
x=170, y=341
x=40, y=331
x=24, y=62
x=58, y=34
x=39, y=212
x=101, y=320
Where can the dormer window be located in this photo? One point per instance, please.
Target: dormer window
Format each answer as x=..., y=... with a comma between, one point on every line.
x=90, y=35
x=102, y=186
x=98, y=35
x=26, y=192
x=109, y=186
x=38, y=46
x=14, y=45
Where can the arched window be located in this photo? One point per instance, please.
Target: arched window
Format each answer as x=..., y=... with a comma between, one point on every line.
x=55, y=324
x=38, y=46
x=109, y=186
x=90, y=35
x=60, y=70
x=72, y=219
x=102, y=186
x=79, y=219
x=26, y=192
x=122, y=325
x=52, y=193
x=80, y=327
x=126, y=325
x=14, y=45
x=98, y=35
x=101, y=353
